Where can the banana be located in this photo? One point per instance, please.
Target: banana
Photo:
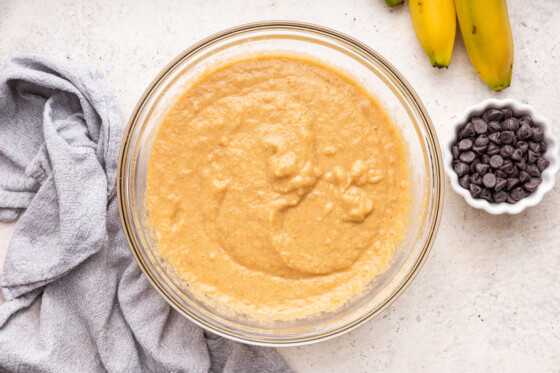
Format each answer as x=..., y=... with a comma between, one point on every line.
x=392, y=3
x=435, y=24
x=487, y=36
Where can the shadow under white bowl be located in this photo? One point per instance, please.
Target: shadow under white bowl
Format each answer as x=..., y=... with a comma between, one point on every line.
x=548, y=175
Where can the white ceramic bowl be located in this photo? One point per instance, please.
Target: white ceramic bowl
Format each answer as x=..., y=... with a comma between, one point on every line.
x=552, y=154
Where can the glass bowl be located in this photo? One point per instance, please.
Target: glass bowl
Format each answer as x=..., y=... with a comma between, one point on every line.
x=376, y=75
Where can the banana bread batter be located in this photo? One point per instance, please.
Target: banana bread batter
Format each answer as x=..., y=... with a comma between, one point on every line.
x=278, y=187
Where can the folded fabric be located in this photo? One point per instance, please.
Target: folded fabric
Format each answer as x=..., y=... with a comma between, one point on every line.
x=75, y=299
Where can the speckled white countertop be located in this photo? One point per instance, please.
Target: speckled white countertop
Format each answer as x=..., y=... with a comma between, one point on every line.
x=488, y=297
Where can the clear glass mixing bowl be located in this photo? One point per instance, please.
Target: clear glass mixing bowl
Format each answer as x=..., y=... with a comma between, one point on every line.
x=346, y=54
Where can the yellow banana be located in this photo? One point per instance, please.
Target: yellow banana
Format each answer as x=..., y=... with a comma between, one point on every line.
x=435, y=23
x=487, y=35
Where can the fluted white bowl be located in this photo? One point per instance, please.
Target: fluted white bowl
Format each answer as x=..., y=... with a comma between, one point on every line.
x=548, y=175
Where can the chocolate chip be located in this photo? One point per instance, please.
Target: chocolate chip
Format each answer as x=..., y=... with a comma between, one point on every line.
x=485, y=158
x=494, y=115
x=511, y=124
x=494, y=127
x=465, y=144
x=489, y=180
x=464, y=181
x=526, y=119
x=532, y=157
x=543, y=146
x=538, y=134
x=507, y=168
x=501, y=174
x=473, y=165
x=500, y=196
x=455, y=151
x=506, y=151
x=500, y=184
x=487, y=195
x=475, y=190
x=467, y=157
x=524, y=176
x=511, y=182
x=535, y=146
x=532, y=184
x=481, y=140
x=517, y=155
x=514, y=172
x=510, y=200
x=461, y=169
x=467, y=131
x=479, y=125
x=495, y=138
x=533, y=170
x=479, y=149
x=542, y=164
x=522, y=164
x=482, y=168
x=517, y=194
x=523, y=146
x=492, y=149
x=508, y=113
x=507, y=137
x=524, y=132
x=476, y=179
x=496, y=161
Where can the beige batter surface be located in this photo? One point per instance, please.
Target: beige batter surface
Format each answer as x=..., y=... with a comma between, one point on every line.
x=278, y=187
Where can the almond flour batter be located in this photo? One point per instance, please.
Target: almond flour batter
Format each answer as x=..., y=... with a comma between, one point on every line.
x=278, y=187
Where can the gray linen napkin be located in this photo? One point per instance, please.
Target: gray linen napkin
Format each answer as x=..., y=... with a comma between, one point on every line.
x=75, y=299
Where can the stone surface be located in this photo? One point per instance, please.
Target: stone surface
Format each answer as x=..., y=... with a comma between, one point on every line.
x=488, y=296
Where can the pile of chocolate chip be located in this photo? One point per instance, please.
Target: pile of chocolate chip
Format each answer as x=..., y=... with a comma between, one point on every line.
x=499, y=157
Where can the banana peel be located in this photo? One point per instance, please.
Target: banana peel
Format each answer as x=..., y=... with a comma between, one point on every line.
x=487, y=36
x=435, y=25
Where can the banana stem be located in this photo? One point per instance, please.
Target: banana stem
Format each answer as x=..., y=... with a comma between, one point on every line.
x=392, y=3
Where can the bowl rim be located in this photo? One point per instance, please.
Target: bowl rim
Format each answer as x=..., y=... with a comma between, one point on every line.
x=548, y=175
x=396, y=78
